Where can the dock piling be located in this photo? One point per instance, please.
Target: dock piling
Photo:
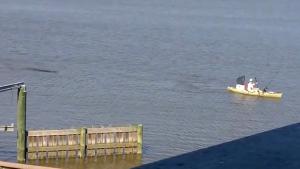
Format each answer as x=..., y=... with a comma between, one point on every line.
x=140, y=138
x=83, y=132
x=21, y=124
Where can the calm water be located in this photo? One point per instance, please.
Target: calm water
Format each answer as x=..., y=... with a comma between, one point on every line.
x=165, y=64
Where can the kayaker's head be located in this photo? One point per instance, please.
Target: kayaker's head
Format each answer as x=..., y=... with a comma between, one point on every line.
x=250, y=80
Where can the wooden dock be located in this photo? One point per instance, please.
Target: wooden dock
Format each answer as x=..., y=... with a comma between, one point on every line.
x=83, y=142
x=9, y=165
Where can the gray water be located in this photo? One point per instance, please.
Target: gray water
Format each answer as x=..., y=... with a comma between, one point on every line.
x=165, y=64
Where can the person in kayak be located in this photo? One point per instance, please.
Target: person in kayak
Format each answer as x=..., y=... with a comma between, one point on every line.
x=252, y=85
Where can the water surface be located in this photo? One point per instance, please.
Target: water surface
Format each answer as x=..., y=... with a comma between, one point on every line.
x=165, y=64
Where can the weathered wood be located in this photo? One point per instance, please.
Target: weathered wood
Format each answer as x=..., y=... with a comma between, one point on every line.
x=129, y=150
x=112, y=129
x=111, y=146
x=140, y=139
x=53, y=132
x=8, y=165
x=21, y=124
x=53, y=148
x=83, y=142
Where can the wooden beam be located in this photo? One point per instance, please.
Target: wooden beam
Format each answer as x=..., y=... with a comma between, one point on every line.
x=111, y=145
x=53, y=148
x=112, y=129
x=8, y=165
x=11, y=86
x=77, y=147
x=53, y=132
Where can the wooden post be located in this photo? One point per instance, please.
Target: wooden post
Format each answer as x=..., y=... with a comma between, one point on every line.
x=83, y=132
x=21, y=124
x=140, y=138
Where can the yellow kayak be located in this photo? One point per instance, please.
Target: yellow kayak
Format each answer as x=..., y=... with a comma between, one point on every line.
x=257, y=92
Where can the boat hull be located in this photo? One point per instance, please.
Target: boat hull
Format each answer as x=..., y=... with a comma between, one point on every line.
x=258, y=93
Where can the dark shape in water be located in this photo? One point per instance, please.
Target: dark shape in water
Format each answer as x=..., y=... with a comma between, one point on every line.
x=40, y=70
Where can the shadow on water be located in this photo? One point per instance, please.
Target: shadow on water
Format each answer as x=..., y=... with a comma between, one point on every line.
x=274, y=149
x=104, y=162
x=40, y=70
